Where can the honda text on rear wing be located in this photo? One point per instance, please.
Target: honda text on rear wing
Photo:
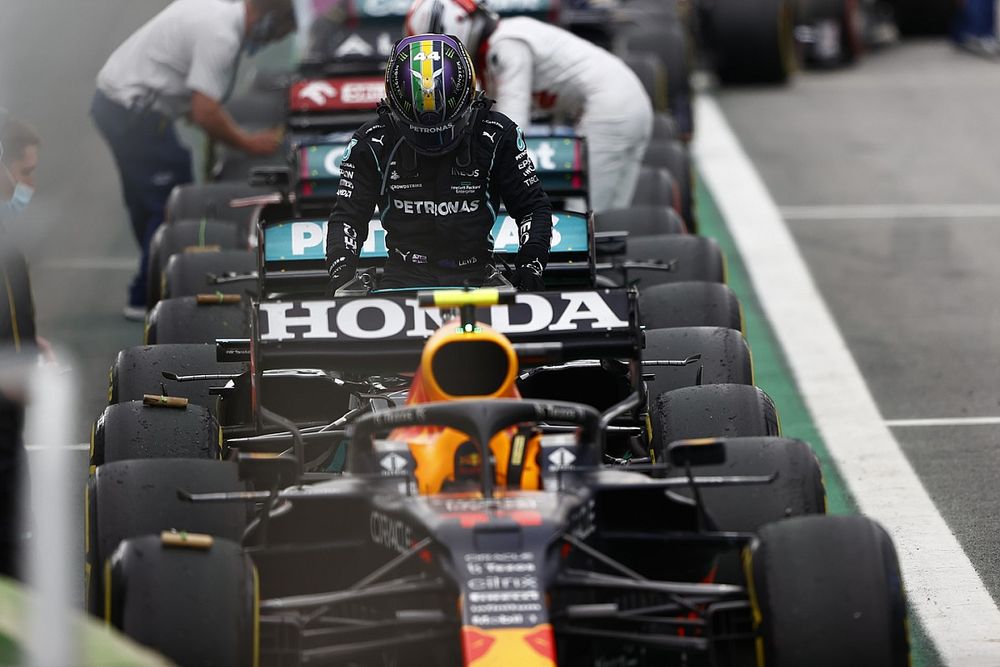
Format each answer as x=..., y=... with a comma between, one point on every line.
x=385, y=333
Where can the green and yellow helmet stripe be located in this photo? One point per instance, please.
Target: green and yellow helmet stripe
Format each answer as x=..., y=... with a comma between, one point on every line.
x=424, y=68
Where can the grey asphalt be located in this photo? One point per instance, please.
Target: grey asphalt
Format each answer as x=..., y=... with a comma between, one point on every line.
x=914, y=296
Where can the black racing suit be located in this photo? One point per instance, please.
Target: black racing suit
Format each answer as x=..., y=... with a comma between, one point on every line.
x=438, y=211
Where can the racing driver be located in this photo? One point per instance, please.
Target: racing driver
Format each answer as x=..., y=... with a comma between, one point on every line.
x=438, y=162
x=530, y=66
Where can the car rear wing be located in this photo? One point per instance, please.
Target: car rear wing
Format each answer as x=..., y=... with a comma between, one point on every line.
x=560, y=163
x=329, y=103
x=292, y=253
x=385, y=333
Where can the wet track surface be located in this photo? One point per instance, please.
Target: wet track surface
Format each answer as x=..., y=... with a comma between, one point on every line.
x=875, y=169
x=912, y=285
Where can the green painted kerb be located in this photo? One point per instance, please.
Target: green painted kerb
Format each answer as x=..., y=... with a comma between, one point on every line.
x=773, y=375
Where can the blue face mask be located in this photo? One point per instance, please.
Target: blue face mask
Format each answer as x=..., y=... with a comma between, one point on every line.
x=18, y=201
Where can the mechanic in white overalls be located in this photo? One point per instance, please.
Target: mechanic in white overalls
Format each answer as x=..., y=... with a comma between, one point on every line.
x=182, y=63
x=529, y=66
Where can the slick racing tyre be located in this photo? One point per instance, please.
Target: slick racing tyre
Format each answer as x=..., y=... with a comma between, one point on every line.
x=753, y=40
x=724, y=358
x=678, y=258
x=190, y=274
x=656, y=187
x=664, y=128
x=690, y=304
x=668, y=43
x=710, y=411
x=674, y=156
x=797, y=490
x=652, y=75
x=212, y=201
x=139, y=497
x=194, y=605
x=186, y=236
x=186, y=320
x=826, y=591
x=640, y=221
x=133, y=430
x=139, y=370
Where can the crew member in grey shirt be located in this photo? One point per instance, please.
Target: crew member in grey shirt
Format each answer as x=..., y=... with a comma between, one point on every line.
x=182, y=63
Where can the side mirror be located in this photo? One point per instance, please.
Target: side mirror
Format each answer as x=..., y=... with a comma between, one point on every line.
x=699, y=452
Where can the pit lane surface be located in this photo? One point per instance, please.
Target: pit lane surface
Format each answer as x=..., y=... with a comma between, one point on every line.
x=886, y=178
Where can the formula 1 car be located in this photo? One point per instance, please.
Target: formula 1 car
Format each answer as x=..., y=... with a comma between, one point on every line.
x=470, y=527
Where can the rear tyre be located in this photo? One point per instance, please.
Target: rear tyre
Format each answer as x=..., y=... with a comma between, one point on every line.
x=128, y=499
x=725, y=358
x=139, y=370
x=690, y=304
x=135, y=431
x=184, y=235
x=674, y=156
x=656, y=187
x=827, y=592
x=690, y=258
x=640, y=221
x=212, y=201
x=711, y=411
x=195, y=606
x=188, y=275
x=668, y=43
x=184, y=320
x=753, y=42
x=796, y=491
x=652, y=75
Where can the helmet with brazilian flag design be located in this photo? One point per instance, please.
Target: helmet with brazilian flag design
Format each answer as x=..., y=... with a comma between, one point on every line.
x=430, y=84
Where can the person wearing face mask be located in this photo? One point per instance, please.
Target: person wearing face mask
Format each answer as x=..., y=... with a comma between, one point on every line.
x=19, y=160
x=181, y=64
x=19, y=345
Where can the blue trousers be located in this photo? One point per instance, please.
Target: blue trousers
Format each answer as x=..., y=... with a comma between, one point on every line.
x=974, y=18
x=151, y=161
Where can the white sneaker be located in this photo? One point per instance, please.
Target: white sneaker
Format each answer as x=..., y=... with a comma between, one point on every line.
x=134, y=313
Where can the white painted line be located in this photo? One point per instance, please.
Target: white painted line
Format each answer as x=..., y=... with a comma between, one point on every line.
x=81, y=447
x=91, y=264
x=943, y=587
x=892, y=212
x=945, y=421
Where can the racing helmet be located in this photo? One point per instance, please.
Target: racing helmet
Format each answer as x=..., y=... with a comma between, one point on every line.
x=430, y=84
x=469, y=20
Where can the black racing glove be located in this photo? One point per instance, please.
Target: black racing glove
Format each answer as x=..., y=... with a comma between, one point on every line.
x=528, y=275
x=342, y=271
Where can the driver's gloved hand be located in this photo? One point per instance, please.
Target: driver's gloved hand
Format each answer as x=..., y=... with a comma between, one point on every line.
x=528, y=276
x=342, y=271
